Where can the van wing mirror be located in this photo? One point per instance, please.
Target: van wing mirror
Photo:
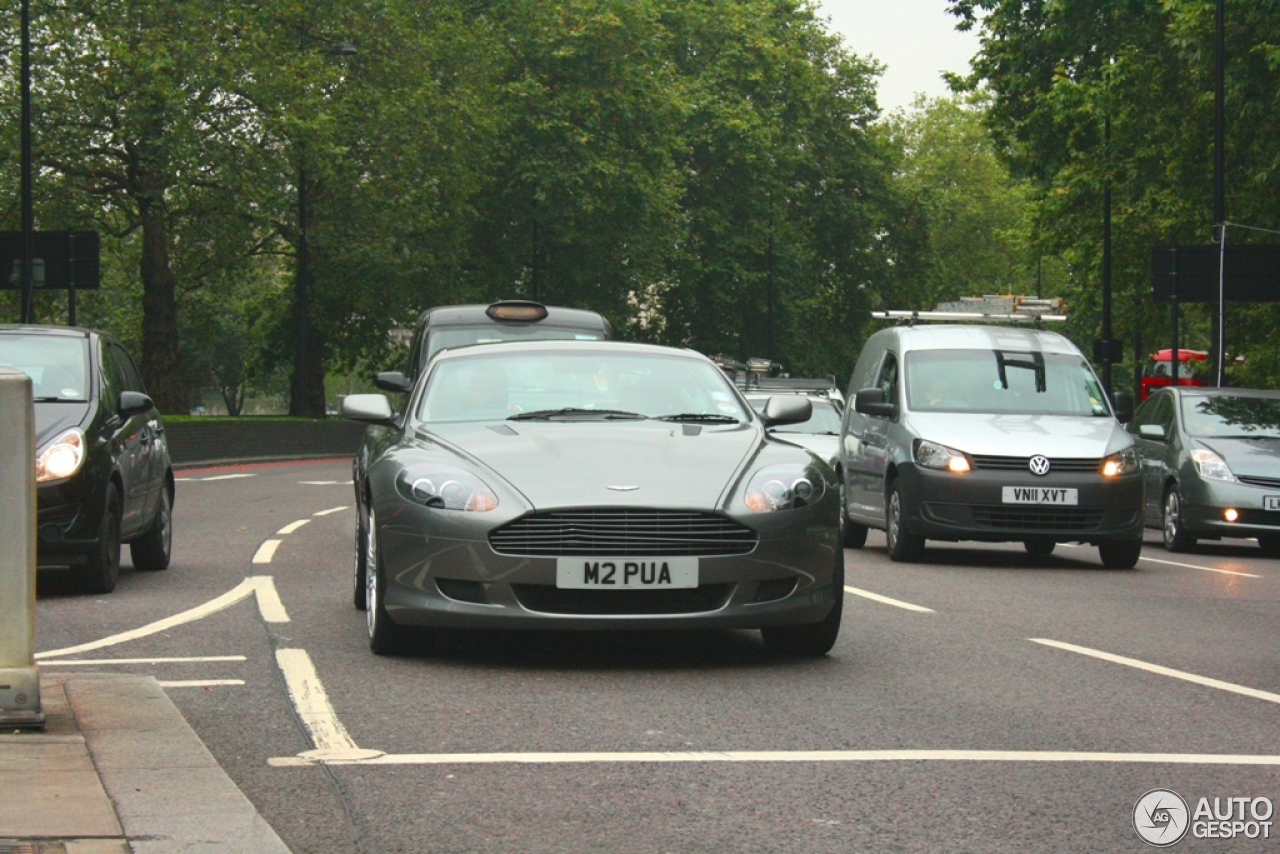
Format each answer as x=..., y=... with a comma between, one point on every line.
x=393, y=381
x=870, y=401
x=1122, y=403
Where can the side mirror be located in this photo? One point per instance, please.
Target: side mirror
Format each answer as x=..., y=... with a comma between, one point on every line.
x=133, y=403
x=786, y=409
x=870, y=401
x=1122, y=403
x=393, y=381
x=370, y=408
x=1152, y=431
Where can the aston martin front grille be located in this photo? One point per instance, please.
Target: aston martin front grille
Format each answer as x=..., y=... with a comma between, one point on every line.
x=550, y=600
x=623, y=533
x=1056, y=464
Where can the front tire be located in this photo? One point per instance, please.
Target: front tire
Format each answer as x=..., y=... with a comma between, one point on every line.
x=903, y=545
x=1176, y=538
x=101, y=571
x=151, y=552
x=1039, y=548
x=385, y=637
x=1121, y=554
x=359, y=588
x=852, y=535
x=811, y=640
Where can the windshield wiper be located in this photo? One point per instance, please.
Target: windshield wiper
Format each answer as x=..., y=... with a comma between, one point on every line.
x=710, y=417
x=578, y=414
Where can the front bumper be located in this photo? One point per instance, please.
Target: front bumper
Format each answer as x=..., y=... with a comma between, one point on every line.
x=68, y=520
x=940, y=505
x=1204, y=502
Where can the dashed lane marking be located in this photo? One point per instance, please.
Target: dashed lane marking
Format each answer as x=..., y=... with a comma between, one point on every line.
x=331, y=510
x=198, y=683
x=266, y=551
x=885, y=600
x=195, y=659
x=1202, y=568
x=291, y=527
x=314, y=710
x=1163, y=671
x=215, y=477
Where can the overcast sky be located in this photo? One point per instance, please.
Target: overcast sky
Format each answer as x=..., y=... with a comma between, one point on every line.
x=916, y=39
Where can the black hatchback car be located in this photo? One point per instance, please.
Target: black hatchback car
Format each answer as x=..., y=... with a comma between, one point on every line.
x=103, y=475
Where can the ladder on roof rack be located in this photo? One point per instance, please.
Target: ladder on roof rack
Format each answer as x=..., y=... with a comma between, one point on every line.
x=1007, y=308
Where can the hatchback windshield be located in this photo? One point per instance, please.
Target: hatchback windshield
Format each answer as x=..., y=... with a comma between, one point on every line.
x=1231, y=415
x=58, y=365
x=1002, y=381
x=590, y=384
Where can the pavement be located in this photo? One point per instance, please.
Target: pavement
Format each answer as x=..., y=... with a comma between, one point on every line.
x=116, y=769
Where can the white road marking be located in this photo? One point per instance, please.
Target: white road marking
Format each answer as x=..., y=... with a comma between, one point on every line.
x=794, y=756
x=1163, y=671
x=1196, y=566
x=325, y=482
x=291, y=527
x=330, y=511
x=263, y=586
x=312, y=704
x=897, y=603
x=199, y=683
x=266, y=551
x=220, y=477
x=71, y=662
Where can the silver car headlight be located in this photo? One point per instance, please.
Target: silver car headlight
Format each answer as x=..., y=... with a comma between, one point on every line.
x=1210, y=465
x=445, y=487
x=1121, y=462
x=931, y=455
x=784, y=487
x=62, y=457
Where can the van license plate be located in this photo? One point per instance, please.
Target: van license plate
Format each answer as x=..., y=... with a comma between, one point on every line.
x=1271, y=502
x=626, y=573
x=1039, y=495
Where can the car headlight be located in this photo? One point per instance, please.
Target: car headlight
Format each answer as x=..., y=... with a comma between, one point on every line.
x=445, y=487
x=1210, y=465
x=62, y=457
x=784, y=487
x=931, y=455
x=1122, y=462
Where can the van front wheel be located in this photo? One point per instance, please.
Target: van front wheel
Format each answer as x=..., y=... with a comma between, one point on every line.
x=1122, y=554
x=903, y=545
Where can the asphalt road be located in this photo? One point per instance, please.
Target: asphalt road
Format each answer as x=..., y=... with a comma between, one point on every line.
x=985, y=701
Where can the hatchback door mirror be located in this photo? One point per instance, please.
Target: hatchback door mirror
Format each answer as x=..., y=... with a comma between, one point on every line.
x=1154, y=432
x=786, y=409
x=393, y=381
x=370, y=408
x=133, y=403
x=1122, y=403
x=870, y=401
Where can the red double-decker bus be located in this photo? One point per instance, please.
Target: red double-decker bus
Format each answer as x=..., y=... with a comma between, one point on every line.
x=1192, y=369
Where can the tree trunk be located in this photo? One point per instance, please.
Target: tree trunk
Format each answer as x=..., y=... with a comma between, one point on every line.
x=160, y=349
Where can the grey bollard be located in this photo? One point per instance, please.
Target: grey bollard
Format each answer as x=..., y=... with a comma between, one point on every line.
x=19, y=678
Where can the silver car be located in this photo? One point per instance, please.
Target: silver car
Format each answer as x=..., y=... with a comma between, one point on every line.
x=1211, y=460
x=591, y=485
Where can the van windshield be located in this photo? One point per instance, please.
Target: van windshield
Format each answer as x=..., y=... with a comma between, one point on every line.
x=1002, y=382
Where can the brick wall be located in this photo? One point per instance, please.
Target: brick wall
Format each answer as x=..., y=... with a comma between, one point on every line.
x=221, y=441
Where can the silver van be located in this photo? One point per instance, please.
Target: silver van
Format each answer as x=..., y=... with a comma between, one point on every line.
x=989, y=433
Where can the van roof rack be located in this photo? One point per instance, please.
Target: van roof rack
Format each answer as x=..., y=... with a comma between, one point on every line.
x=1008, y=308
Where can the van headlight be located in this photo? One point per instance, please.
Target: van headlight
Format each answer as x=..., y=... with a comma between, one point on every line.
x=931, y=455
x=1210, y=465
x=62, y=457
x=1122, y=462
x=784, y=487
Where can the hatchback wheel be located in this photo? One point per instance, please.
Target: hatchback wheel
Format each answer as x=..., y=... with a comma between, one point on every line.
x=101, y=571
x=151, y=551
x=1176, y=538
x=903, y=545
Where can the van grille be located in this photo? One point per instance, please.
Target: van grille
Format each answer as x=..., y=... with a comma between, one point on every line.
x=1036, y=518
x=623, y=533
x=1056, y=464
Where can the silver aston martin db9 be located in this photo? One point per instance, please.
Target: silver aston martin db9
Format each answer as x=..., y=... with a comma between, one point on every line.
x=591, y=485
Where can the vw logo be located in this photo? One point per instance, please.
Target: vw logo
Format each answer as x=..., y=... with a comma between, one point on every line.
x=1039, y=465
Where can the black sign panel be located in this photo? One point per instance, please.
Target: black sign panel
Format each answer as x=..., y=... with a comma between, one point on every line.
x=61, y=260
x=1249, y=273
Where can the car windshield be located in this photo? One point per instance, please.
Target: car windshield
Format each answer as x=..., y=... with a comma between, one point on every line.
x=57, y=364
x=492, y=333
x=591, y=384
x=1002, y=382
x=824, y=421
x=1231, y=415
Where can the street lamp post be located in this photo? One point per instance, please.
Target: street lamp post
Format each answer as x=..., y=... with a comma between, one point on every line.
x=305, y=398
x=28, y=218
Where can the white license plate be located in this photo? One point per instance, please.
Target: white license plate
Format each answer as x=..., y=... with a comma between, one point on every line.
x=1039, y=495
x=626, y=573
x=1271, y=502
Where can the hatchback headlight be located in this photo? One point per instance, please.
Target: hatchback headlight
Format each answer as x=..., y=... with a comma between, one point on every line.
x=1123, y=462
x=1210, y=465
x=445, y=487
x=62, y=457
x=784, y=487
x=931, y=455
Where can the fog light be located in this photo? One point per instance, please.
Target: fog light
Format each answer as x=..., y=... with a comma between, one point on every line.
x=1231, y=514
